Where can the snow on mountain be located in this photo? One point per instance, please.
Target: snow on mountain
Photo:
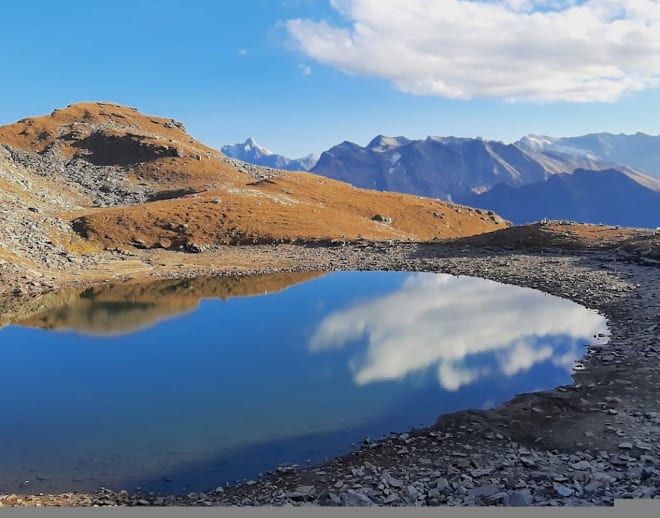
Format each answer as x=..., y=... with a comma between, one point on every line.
x=251, y=152
x=639, y=151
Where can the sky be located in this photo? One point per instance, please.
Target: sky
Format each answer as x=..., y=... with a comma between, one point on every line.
x=303, y=75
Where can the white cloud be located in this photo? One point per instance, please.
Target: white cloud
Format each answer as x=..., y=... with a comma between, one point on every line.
x=305, y=70
x=242, y=52
x=540, y=50
x=521, y=357
x=441, y=321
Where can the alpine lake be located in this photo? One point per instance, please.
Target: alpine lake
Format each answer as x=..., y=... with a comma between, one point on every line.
x=184, y=385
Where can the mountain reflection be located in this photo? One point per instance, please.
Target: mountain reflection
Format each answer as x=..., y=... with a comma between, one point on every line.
x=123, y=308
x=465, y=328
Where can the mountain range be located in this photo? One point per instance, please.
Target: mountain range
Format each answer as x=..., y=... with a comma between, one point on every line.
x=528, y=180
x=251, y=152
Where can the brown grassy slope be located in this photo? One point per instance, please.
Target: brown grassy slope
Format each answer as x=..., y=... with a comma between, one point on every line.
x=121, y=308
x=294, y=206
x=229, y=206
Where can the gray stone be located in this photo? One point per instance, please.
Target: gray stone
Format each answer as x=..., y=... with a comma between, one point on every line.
x=391, y=481
x=501, y=497
x=411, y=491
x=520, y=498
x=562, y=490
x=582, y=475
x=287, y=469
x=648, y=459
x=382, y=219
x=540, y=476
x=480, y=472
x=442, y=484
x=528, y=461
x=394, y=497
x=301, y=493
x=582, y=465
x=484, y=491
x=355, y=499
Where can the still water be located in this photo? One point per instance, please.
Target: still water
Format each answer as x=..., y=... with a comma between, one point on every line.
x=185, y=385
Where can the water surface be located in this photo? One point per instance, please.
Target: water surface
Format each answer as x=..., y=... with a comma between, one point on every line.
x=184, y=385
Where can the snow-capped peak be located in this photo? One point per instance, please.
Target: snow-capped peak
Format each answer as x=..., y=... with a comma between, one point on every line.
x=538, y=142
x=251, y=152
x=250, y=145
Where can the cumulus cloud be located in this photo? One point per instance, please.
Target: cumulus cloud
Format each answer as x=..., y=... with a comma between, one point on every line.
x=521, y=357
x=536, y=50
x=442, y=321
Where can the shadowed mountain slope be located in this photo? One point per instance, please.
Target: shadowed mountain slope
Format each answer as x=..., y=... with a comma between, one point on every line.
x=610, y=197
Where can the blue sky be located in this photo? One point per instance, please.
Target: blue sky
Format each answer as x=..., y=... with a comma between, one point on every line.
x=303, y=75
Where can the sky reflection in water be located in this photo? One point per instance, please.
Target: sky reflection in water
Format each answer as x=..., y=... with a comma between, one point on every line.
x=234, y=386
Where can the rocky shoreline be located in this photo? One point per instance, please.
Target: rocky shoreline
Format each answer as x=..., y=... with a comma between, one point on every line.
x=588, y=443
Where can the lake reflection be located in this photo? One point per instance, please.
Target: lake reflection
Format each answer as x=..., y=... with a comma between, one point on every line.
x=450, y=324
x=124, y=308
x=182, y=385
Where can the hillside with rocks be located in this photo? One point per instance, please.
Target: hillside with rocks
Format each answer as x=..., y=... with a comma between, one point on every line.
x=99, y=178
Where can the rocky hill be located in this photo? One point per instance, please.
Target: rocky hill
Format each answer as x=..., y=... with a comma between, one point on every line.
x=94, y=177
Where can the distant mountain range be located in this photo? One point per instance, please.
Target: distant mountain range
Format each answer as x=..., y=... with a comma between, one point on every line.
x=456, y=168
x=640, y=151
x=251, y=152
x=610, y=197
x=596, y=178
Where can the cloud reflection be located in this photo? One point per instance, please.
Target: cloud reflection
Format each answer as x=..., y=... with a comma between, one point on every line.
x=446, y=322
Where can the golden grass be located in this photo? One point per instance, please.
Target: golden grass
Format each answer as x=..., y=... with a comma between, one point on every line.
x=229, y=207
